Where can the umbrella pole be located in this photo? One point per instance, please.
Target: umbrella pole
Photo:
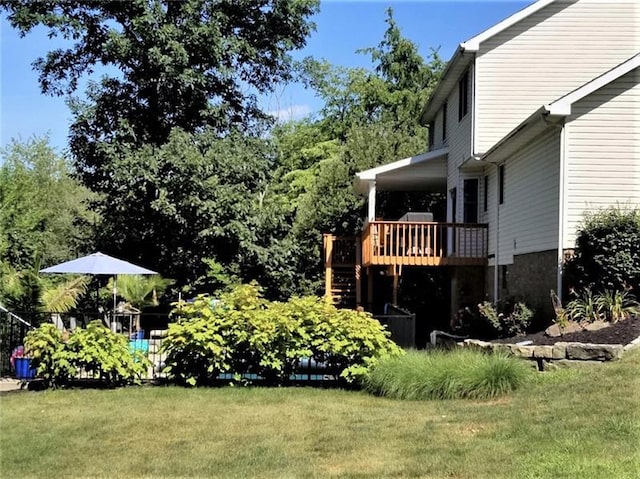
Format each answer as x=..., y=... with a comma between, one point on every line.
x=114, y=301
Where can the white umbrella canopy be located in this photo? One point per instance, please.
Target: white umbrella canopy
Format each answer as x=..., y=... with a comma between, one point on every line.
x=96, y=264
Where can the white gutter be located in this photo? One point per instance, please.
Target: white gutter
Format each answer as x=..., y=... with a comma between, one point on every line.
x=496, y=292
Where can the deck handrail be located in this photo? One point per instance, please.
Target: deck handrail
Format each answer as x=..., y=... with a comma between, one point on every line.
x=424, y=243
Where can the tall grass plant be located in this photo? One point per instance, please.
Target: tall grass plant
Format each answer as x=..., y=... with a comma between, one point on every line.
x=439, y=374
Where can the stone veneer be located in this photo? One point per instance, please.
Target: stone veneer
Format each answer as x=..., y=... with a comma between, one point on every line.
x=530, y=278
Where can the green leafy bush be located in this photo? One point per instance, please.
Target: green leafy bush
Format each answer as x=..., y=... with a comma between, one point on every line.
x=507, y=318
x=96, y=351
x=607, y=255
x=244, y=334
x=105, y=355
x=609, y=305
x=455, y=374
x=45, y=346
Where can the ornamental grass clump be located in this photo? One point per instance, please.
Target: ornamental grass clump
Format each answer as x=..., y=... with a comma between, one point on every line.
x=456, y=374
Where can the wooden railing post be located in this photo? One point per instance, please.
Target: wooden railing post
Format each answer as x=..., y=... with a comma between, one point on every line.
x=358, y=272
x=328, y=255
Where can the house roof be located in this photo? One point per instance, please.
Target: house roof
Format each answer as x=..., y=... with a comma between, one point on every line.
x=554, y=112
x=562, y=106
x=464, y=55
x=427, y=171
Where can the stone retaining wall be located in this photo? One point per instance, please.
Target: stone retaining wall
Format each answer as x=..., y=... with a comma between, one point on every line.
x=560, y=351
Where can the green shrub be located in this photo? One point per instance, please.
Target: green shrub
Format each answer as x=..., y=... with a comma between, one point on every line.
x=507, y=318
x=102, y=354
x=245, y=334
x=45, y=346
x=460, y=373
x=197, y=352
x=96, y=351
x=607, y=255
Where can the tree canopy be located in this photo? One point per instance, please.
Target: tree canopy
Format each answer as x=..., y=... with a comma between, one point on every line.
x=186, y=181
x=186, y=64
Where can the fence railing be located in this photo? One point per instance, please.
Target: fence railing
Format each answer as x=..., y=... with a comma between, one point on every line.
x=424, y=244
x=13, y=329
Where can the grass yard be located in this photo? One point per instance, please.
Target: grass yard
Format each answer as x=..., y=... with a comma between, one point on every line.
x=570, y=423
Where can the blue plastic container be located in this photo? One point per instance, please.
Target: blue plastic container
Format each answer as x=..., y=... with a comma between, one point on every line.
x=24, y=371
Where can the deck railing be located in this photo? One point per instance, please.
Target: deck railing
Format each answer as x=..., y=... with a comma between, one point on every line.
x=424, y=244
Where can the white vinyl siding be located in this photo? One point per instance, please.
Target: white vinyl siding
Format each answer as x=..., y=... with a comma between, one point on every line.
x=459, y=142
x=437, y=131
x=603, y=151
x=528, y=219
x=545, y=56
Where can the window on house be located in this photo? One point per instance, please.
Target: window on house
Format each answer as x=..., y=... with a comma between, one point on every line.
x=431, y=135
x=471, y=201
x=501, y=183
x=444, y=122
x=463, y=96
x=486, y=193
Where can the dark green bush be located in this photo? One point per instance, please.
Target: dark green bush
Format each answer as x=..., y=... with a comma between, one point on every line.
x=607, y=252
x=505, y=319
x=244, y=334
x=96, y=351
x=455, y=374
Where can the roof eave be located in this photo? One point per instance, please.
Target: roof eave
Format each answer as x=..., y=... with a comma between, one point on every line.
x=444, y=86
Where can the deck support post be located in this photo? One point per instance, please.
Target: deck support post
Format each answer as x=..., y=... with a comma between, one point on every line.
x=328, y=255
x=370, y=288
x=358, y=272
x=397, y=272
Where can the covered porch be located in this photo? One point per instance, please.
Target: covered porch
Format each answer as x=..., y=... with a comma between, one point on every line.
x=411, y=239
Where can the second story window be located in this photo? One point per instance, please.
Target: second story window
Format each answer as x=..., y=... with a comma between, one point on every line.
x=463, y=96
x=486, y=193
x=444, y=122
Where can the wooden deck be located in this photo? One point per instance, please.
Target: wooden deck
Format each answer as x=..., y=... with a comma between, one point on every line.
x=396, y=243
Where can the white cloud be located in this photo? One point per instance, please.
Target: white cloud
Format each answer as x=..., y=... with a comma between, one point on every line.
x=293, y=112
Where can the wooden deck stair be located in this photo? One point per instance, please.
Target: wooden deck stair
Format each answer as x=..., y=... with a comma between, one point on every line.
x=342, y=262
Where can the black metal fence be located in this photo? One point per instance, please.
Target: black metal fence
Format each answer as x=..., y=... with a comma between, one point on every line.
x=13, y=329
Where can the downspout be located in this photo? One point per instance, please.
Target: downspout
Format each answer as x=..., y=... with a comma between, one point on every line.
x=497, y=252
x=560, y=263
x=561, y=187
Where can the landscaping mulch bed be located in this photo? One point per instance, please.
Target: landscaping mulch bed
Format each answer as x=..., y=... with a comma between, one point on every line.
x=622, y=332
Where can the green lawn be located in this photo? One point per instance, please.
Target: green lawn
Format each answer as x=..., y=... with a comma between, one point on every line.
x=575, y=424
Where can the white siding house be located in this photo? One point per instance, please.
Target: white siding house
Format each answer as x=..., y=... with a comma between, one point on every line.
x=603, y=151
x=550, y=129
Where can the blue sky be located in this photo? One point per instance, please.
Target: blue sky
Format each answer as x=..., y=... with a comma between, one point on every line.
x=342, y=28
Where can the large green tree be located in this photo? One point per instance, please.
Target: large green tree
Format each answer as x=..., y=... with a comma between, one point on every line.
x=369, y=118
x=44, y=217
x=186, y=64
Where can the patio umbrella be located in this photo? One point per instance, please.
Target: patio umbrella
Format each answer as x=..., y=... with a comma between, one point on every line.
x=98, y=264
